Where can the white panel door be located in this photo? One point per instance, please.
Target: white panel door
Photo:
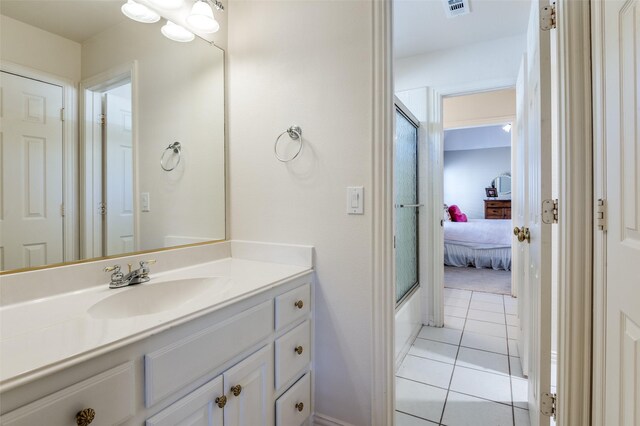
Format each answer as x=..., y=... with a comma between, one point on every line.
x=622, y=141
x=538, y=157
x=118, y=171
x=249, y=390
x=31, y=232
x=520, y=194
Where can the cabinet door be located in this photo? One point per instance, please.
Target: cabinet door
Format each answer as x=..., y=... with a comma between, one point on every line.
x=199, y=408
x=249, y=390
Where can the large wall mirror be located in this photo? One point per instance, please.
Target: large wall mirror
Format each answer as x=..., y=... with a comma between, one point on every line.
x=112, y=136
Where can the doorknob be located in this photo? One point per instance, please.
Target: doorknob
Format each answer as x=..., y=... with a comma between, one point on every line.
x=522, y=234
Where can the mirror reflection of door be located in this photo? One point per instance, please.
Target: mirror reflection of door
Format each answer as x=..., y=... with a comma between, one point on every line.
x=406, y=203
x=118, y=171
x=31, y=201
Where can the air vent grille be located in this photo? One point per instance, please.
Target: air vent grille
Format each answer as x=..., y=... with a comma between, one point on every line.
x=455, y=8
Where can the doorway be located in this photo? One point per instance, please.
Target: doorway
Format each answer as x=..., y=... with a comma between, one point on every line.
x=475, y=359
x=109, y=144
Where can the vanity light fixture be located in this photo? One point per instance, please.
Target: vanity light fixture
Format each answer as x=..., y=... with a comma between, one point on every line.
x=507, y=127
x=201, y=17
x=139, y=12
x=177, y=33
x=167, y=4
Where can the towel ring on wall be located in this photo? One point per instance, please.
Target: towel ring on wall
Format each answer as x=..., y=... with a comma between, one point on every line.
x=177, y=149
x=295, y=133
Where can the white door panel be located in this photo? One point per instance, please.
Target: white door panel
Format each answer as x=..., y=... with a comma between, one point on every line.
x=31, y=197
x=622, y=114
x=533, y=185
x=520, y=208
x=118, y=171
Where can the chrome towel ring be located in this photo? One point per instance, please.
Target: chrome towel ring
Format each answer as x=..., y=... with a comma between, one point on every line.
x=295, y=133
x=177, y=149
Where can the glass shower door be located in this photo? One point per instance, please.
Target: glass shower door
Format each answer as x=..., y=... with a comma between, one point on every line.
x=406, y=205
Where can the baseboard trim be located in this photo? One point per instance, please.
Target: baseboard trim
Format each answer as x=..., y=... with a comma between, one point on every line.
x=407, y=346
x=322, y=420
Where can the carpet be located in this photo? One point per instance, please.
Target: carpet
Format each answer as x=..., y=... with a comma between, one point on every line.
x=470, y=278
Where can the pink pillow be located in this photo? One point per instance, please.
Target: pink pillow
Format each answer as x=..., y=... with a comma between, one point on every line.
x=456, y=214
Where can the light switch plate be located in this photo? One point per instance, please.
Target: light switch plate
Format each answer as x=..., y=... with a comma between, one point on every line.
x=355, y=200
x=145, y=202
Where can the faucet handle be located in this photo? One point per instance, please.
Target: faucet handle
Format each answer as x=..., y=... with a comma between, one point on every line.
x=117, y=277
x=144, y=263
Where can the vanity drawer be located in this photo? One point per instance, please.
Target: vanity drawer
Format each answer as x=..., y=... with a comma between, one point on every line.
x=293, y=351
x=169, y=369
x=292, y=305
x=110, y=394
x=294, y=406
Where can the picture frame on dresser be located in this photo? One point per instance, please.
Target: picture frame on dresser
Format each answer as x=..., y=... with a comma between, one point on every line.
x=491, y=192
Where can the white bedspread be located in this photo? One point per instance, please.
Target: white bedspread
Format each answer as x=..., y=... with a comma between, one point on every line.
x=480, y=232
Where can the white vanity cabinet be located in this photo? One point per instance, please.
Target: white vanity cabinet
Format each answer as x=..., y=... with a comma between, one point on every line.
x=247, y=363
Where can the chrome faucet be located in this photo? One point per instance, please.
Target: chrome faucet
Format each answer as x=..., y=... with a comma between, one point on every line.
x=137, y=276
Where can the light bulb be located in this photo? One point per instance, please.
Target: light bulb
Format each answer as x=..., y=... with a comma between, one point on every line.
x=139, y=12
x=201, y=18
x=176, y=33
x=167, y=4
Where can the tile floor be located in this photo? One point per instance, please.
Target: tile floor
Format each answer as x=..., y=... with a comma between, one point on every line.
x=467, y=373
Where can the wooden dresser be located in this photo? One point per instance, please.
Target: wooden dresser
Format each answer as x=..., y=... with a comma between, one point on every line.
x=497, y=209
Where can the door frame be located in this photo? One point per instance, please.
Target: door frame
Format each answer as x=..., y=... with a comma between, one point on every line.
x=100, y=83
x=435, y=170
x=576, y=215
x=599, y=237
x=69, y=152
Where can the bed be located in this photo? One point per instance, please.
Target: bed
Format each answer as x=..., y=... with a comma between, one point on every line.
x=483, y=243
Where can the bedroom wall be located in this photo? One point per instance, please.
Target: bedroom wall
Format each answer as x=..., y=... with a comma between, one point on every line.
x=468, y=172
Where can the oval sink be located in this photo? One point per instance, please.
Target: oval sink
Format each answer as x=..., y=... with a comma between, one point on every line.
x=151, y=298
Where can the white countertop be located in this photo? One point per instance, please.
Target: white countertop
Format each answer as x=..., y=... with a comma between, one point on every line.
x=39, y=337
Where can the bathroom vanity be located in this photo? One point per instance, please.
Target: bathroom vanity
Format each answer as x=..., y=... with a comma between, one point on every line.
x=224, y=342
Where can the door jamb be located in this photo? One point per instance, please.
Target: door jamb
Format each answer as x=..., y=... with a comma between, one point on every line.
x=599, y=238
x=100, y=82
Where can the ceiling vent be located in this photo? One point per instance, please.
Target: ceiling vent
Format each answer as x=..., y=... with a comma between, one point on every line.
x=455, y=8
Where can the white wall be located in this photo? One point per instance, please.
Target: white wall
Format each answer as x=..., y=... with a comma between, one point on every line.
x=309, y=63
x=32, y=47
x=467, y=173
x=494, y=61
x=181, y=98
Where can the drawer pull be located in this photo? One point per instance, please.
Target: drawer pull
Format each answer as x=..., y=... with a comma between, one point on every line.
x=300, y=406
x=236, y=390
x=85, y=417
x=298, y=350
x=299, y=304
x=221, y=401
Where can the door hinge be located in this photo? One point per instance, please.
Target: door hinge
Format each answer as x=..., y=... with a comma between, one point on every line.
x=102, y=208
x=61, y=114
x=548, y=404
x=102, y=119
x=550, y=211
x=548, y=17
x=601, y=215
x=62, y=210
